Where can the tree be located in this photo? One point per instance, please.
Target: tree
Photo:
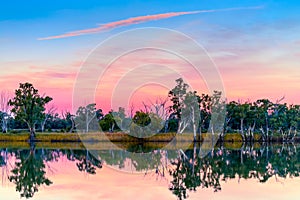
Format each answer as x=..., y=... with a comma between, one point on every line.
x=191, y=111
x=185, y=107
x=46, y=116
x=141, y=118
x=119, y=117
x=177, y=95
x=85, y=115
x=238, y=112
x=141, y=125
x=69, y=121
x=284, y=120
x=29, y=106
x=4, y=119
x=205, y=103
x=217, y=112
x=159, y=111
x=4, y=110
x=263, y=109
x=108, y=123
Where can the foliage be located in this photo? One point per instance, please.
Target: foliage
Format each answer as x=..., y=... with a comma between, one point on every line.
x=28, y=105
x=141, y=119
x=87, y=117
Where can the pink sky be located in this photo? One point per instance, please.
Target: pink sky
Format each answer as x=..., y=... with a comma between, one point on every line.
x=241, y=81
x=244, y=77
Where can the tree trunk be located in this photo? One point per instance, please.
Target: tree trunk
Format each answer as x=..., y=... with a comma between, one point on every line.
x=32, y=133
x=87, y=127
x=4, y=124
x=166, y=125
x=43, y=126
x=242, y=129
x=73, y=125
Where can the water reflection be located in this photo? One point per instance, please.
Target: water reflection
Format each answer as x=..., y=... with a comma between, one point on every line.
x=191, y=172
x=29, y=172
x=85, y=162
x=185, y=171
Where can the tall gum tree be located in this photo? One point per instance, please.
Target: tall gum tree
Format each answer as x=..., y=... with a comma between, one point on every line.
x=29, y=106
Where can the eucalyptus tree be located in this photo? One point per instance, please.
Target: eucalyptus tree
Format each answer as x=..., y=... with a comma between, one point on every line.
x=4, y=119
x=46, y=116
x=217, y=112
x=293, y=114
x=191, y=111
x=159, y=111
x=29, y=106
x=119, y=119
x=205, y=103
x=251, y=120
x=231, y=114
x=68, y=119
x=108, y=123
x=177, y=95
x=285, y=120
x=86, y=117
x=264, y=109
x=139, y=127
x=237, y=112
x=185, y=107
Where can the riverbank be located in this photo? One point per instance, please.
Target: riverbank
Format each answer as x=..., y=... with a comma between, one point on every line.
x=123, y=137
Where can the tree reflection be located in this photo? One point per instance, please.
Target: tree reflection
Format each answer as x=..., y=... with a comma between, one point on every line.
x=85, y=162
x=29, y=173
x=190, y=172
x=29, y=170
x=88, y=163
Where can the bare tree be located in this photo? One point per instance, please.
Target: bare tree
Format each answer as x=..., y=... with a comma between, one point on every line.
x=131, y=111
x=159, y=109
x=4, y=108
x=49, y=112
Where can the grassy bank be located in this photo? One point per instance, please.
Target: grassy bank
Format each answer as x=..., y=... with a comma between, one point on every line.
x=122, y=137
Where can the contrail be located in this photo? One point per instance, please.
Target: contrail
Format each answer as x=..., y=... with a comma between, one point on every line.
x=140, y=19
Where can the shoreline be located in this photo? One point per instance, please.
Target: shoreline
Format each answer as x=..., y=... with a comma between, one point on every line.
x=123, y=137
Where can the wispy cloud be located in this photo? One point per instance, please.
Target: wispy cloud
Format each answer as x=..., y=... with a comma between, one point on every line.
x=140, y=19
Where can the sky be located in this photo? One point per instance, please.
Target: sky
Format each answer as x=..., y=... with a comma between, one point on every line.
x=254, y=46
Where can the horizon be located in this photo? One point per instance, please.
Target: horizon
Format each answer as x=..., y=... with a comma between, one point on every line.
x=255, y=46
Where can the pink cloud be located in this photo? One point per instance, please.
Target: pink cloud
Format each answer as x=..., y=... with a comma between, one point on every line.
x=138, y=20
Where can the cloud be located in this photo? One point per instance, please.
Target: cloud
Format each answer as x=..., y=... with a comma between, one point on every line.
x=138, y=20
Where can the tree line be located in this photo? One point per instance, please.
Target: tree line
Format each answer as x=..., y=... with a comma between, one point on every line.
x=182, y=111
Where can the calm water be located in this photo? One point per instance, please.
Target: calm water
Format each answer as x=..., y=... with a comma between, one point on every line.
x=259, y=172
